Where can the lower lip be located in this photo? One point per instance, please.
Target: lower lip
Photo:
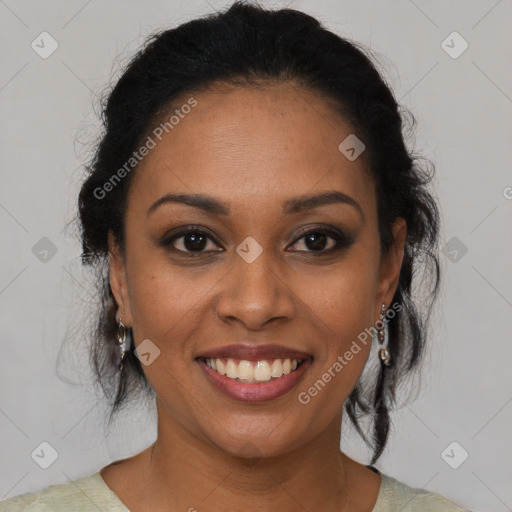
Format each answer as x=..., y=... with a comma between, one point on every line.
x=254, y=392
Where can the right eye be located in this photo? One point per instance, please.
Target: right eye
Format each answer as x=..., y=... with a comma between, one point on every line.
x=191, y=241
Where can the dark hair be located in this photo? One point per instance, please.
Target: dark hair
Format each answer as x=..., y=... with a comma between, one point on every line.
x=250, y=45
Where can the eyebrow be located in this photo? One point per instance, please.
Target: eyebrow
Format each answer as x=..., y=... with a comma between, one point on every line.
x=290, y=206
x=306, y=202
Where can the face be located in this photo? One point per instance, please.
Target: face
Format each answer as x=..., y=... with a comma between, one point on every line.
x=253, y=266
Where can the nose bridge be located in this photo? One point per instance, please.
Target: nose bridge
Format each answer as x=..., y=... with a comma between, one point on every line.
x=254, y=292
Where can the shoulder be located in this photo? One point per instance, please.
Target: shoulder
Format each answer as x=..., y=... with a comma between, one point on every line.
x=394, y=493
x=89, y=493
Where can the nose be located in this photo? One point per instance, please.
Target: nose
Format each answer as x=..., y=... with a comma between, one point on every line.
x=255, y=293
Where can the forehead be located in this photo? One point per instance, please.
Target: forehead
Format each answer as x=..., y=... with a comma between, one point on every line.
x=252, y=146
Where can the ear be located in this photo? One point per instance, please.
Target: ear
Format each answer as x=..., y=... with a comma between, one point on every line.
x=118, y=281
x=390, y=267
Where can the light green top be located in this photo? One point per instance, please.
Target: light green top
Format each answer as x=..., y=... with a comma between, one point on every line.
x=91, y=494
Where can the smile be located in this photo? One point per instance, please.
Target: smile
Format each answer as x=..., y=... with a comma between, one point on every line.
x=252, y=381
x=253, y=371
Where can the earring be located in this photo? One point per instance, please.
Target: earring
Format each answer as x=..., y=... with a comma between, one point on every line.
x=121, y=342
x=383, y=335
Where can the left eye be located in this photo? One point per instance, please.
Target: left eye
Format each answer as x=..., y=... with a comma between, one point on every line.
x=316, y=241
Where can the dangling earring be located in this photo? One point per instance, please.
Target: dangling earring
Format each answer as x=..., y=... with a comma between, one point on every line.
x=121, y=342
x=383, y=334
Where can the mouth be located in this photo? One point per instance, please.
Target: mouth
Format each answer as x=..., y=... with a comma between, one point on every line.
x=253, y=373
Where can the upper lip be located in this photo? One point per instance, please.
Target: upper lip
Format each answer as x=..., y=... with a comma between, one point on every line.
x=251, y=352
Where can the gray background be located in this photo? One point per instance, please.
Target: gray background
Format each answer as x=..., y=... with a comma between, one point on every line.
x=463, y=106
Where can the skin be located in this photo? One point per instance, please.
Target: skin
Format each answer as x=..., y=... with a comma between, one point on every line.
x=252, y=149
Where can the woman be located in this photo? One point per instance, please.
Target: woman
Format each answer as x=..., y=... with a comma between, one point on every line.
x=261, y=220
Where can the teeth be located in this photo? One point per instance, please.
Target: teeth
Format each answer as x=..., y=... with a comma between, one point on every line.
x=276, y=370
x=245, y=371
x=253, y=371
x=231, y=369
x=262, y=372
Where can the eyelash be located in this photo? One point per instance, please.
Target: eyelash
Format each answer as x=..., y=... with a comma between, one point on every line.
x=342, y=240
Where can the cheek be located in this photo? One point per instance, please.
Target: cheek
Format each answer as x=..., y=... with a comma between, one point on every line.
x=168, y=304
x=167, y=309
x=340, y=303
x=342, y=315
x=341, y=298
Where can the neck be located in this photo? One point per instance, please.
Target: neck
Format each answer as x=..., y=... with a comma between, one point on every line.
x=186, y=472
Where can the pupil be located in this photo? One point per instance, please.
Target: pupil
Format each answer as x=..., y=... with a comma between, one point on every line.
x=316, y=241
x=194, y=242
